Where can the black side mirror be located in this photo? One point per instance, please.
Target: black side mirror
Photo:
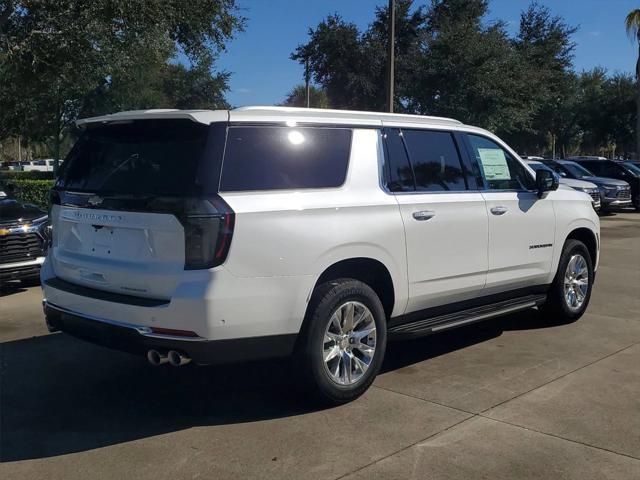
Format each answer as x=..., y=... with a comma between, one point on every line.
x=546, y=181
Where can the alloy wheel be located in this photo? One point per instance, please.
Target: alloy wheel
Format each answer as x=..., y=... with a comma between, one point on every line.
x=576, y=282
x=349, y=343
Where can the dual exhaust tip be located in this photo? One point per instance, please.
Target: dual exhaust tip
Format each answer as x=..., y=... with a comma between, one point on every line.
x=176, y=359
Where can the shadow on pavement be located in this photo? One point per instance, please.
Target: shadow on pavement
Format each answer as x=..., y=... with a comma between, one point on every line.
x=59, y=395
x=404, y=353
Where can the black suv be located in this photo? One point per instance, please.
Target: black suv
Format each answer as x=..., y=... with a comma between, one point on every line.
x=626, y=171
x=24, y=236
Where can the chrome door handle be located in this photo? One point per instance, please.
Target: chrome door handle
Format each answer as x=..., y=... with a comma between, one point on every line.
x=499, y=210
x=424, y=215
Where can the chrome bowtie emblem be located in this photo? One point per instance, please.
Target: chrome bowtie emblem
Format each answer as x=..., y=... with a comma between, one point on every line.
x=95, y=200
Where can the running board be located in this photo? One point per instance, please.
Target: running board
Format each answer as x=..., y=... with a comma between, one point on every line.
x=430, y=325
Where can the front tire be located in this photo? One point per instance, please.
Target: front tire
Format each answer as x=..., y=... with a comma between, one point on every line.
x=570, y=291
x=343, y=342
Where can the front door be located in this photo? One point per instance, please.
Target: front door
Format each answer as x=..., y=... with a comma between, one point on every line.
x=521, y=225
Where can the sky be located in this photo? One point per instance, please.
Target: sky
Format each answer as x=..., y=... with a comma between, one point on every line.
x=262, y=72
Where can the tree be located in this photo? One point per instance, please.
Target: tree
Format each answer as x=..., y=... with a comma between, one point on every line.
x=606, y=112
x=297, y=97
x=469, y=71
x=620, y=112
x=545, y=48
x=451, y=61
x=57, y=55
x=632, y=25
x=348, y=64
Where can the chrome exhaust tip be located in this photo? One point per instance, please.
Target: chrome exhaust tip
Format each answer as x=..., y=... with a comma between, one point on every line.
x=177, y=359
x=156, y=358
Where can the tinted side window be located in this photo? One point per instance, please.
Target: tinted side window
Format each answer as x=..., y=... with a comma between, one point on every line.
x=603, y=168
x=595, y=167
x=274, y=158
x=435, y=161
x=500, y=170
x=556, y=168
x=400, y=175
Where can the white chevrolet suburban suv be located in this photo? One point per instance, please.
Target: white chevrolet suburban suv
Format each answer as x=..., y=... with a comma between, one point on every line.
x=220, y=236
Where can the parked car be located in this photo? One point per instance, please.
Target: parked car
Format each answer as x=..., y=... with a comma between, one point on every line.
x=614, y=194
x=624, y=171
x=585, y=157
x=24, y=236
x=589, y=188
x=45, y=165
x=219, y=236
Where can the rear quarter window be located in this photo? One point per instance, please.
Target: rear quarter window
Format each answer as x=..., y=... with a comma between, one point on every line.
x=279, y=158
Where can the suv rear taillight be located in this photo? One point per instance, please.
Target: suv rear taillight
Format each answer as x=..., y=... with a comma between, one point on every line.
x=208, y=228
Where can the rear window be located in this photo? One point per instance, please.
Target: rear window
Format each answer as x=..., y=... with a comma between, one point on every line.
x=276, y=158
x=145, y=157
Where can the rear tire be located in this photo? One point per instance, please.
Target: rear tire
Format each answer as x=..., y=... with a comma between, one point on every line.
x=343, y=341
x=570, y=291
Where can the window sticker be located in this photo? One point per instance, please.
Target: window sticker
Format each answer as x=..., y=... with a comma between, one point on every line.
x=494, y=164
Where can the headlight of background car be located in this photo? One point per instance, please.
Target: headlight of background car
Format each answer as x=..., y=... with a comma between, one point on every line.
x=610, y=190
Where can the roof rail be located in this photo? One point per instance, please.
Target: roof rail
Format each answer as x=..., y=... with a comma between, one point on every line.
x=355, y=114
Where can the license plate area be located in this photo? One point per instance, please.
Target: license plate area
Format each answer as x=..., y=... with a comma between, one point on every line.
x=103, y=240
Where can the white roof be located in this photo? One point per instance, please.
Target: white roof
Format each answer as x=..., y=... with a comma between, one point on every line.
x=319, y=115
x=276, y=114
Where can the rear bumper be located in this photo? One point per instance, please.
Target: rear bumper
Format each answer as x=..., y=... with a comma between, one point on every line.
x=20, y=270
x=138, y=339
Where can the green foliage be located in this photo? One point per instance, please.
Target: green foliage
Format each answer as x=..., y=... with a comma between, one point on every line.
x=297, y=97
x=350, y=65
x=451, y=62
x=470, y=71
x=632, y=24
x=545, y=47
x=160, y=86
x=33, y=191
x=31, y=175
x=59, y=58
x=606, y=111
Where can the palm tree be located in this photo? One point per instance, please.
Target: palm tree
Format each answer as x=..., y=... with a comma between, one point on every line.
x=632, y=24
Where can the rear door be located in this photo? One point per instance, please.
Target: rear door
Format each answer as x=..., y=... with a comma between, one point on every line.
x=521, y=225
x=444, y=216
x=120, y=203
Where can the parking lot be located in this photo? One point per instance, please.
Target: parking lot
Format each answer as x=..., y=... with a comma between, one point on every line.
x=510, y=398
